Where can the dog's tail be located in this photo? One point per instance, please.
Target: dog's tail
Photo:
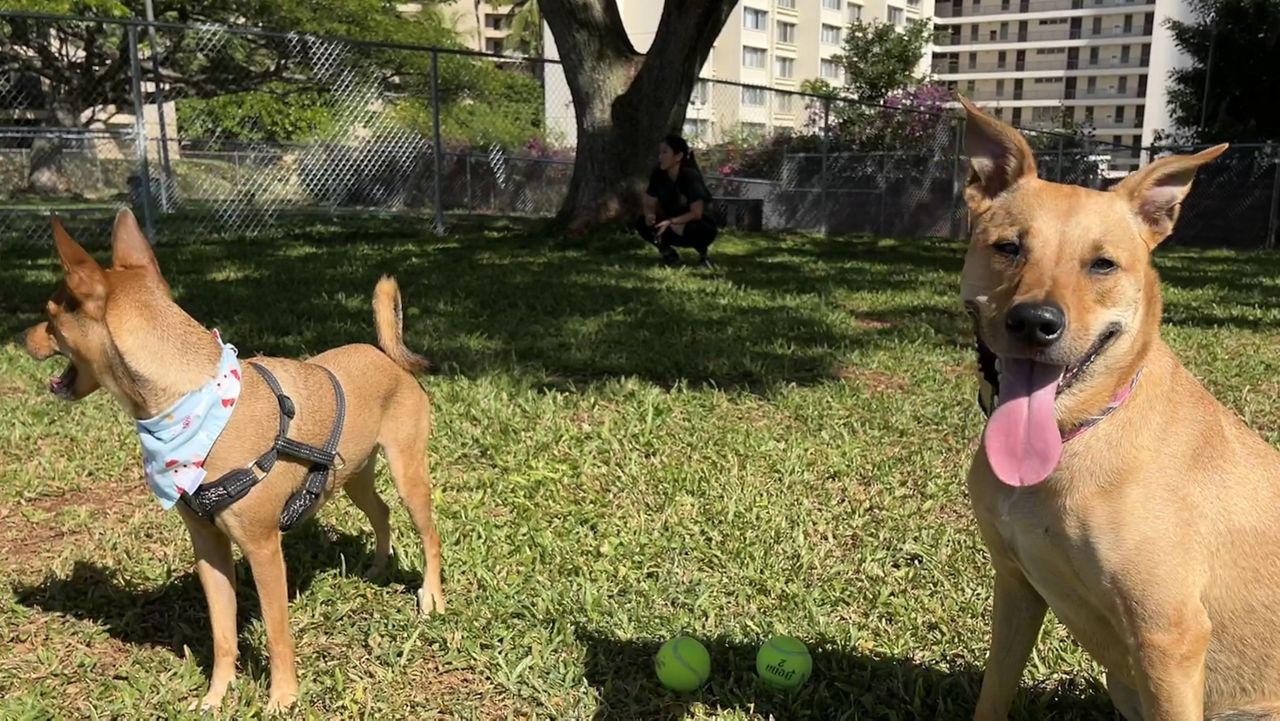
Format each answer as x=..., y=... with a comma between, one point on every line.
x=388, y=318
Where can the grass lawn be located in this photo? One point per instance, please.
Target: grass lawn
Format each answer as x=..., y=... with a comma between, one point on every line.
x=622, y=452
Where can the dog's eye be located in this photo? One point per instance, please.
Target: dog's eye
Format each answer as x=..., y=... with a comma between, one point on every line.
x=1102, y=266
x=1008, y=248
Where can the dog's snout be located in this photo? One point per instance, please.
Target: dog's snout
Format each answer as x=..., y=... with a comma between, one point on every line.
x=1038, y=324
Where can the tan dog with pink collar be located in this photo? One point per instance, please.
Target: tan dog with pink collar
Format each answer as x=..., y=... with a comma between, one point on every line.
x=1153, y=529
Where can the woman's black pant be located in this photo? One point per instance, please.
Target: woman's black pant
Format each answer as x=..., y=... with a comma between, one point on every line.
x=698, y=234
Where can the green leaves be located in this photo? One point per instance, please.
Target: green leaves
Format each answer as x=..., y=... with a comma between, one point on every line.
x=878, y=59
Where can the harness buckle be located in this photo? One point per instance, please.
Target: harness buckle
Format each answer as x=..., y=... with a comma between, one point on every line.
x=338, y=462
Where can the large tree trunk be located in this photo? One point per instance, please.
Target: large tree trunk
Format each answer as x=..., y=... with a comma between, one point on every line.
x=625, y=102
x=45, y=175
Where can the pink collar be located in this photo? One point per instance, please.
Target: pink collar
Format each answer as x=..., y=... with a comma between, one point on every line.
x=1120, y=397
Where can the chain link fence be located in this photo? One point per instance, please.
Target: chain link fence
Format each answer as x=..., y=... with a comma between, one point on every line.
x=211, y=131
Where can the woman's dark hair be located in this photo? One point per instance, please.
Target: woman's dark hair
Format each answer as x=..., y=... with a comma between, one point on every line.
x=681, y=146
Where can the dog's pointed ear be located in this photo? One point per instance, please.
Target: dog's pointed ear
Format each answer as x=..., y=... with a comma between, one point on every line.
x=998, y=155
x=85, y=279
x=130, y=249
x=1156, y=192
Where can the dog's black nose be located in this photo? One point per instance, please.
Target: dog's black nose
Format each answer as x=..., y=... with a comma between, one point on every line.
x=1039, y=324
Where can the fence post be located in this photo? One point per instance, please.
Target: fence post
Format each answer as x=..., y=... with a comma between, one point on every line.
x=826, y=141
x=166, y=169
x=957, y=177
x=437, y=149
x=1061, y=142
x=1274, y=225
x=140, y=132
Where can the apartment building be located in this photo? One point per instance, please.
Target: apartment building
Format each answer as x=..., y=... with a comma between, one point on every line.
x=1035, y=63
x=484, y=27
x=765, y=44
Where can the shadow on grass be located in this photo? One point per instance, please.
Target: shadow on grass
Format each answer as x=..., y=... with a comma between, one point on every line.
x=175, y=614
x=503, y=297
x=844, y=685
x=508, y=297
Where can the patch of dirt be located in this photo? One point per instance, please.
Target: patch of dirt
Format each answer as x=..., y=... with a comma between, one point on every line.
x=23, y=541
x=875, y=381
x=871, y=323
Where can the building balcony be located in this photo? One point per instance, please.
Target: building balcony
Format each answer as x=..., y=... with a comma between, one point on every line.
x=947, y=13
x=1039, y=99
x=1051, y=38
x=1059, y=67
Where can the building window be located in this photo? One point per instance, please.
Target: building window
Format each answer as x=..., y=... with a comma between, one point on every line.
x=1097, y=26
x=830, y=35
x=973, y=61
x=833, y=4
x=1128, y=24
x=1002, y=59
x=790, y=4
x=1088, y=115
x=855, y=13
x=786, y=103
x=495, y=21
x=1124, y=55
x=755, y=130
x=1042, y=115
x=999, y=88
x=754, y=97
x=897, y=17
x=1093, y=56
x=1055, y=21
x=493, y=45
x=830, y=69
x=1122, y=85
x=787, y=33
x=701, y=93
x=1091, y=86
x=695, y=127
x=753, y=19
x=784, y=67
x=1120, y=114
x=754, y=57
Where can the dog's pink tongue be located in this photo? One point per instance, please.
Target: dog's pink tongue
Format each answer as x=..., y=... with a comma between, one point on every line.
x=1022, y=440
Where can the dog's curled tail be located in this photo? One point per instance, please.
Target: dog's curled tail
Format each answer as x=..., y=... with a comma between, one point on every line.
x=388, y=319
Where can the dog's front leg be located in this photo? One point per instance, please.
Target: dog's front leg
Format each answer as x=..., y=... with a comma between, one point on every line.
x=1017, y=615
x=216, y=569
x=1169, y=648
x=266, y=558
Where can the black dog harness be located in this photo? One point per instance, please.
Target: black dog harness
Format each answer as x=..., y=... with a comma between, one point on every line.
x=210, y=498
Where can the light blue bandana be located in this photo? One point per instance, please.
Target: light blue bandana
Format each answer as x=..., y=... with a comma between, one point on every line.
x=176, y=442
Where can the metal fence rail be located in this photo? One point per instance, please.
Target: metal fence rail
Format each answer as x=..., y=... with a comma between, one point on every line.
x=184, y=124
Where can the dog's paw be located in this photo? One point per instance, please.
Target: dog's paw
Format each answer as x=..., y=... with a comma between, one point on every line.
x=429, y=603
x=377, y=572
x=207, y=705
x=281, y=701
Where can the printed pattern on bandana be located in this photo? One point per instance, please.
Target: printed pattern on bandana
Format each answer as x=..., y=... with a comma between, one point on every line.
x=176, y=442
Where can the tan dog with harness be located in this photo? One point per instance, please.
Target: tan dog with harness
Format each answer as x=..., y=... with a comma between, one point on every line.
x=243, y=456
x=1110, y=485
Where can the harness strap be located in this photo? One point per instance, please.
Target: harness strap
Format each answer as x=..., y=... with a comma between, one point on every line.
x=211, y=498
x=304, y=501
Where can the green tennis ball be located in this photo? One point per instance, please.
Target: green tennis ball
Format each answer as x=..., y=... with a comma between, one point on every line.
x=784, y=662
x=682, y=664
